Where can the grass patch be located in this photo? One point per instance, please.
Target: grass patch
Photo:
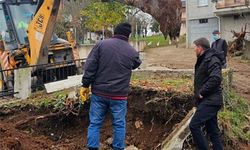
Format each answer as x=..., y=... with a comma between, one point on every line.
x=157, y=40
x=236, y=112
x=181, y=84
x=236, y=115
x=175, y=82
x=153, y=41
x=39, y=99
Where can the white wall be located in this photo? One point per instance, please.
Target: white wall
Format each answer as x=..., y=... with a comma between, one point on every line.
x=196, y=12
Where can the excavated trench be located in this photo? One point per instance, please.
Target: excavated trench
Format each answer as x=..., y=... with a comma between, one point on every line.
x=152, y=115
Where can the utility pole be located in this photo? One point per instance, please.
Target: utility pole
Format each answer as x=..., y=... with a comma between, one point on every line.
x=187, y=24
x=136, y=35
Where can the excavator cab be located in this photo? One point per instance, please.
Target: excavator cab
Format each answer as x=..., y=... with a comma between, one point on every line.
x=14, y=20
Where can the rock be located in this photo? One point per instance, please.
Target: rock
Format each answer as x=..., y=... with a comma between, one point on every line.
x=138, y=124
x=246, y=129
x=67, y=141
x=238, y=53
x=109, y=141
x=2, y=130
x=131, y=147
x=72, y=95
x=105, y=146
x=247, y=117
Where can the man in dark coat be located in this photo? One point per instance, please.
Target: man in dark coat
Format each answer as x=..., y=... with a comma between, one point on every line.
x=220, y=45
x=208, y=95
x=108, y=70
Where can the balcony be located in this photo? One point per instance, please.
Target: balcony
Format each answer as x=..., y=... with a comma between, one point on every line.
x=228, y=7
x=230, y=3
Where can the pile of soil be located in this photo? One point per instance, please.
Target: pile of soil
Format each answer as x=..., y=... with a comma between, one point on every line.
x=151, y=117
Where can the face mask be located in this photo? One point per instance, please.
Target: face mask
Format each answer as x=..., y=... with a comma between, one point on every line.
x=216, y=37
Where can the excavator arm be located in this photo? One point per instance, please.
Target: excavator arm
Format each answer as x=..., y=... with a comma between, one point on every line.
x=40, y=31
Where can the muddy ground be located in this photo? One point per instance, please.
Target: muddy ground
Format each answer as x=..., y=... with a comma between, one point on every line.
x=183, y=58
x=151, y=117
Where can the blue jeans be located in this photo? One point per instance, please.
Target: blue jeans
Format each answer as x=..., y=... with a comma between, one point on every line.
x=206, y=115
x=99, y=106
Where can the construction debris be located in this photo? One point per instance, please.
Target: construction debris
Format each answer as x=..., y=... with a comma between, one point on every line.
x=237, y=45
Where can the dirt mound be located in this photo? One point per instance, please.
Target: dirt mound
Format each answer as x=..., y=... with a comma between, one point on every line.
x=13, y=139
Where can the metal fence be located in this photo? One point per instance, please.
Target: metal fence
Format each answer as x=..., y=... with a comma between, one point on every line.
x=6, y=83
x=40, y=75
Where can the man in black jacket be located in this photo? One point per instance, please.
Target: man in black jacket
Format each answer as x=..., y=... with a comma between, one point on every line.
x=208, y=95
x=220, y=45
x=108, y=70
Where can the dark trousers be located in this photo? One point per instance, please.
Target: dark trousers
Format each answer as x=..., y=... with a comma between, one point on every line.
x=206, y=115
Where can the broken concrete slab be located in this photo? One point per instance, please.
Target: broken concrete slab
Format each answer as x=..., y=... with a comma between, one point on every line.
x=72, y=81
x=176, y=139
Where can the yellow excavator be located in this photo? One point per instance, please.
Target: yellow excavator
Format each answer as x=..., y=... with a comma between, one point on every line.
x=27, y=39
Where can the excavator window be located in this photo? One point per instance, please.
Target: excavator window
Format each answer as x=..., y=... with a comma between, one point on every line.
x=5, y=33
x=22, y=15
x=3, y=26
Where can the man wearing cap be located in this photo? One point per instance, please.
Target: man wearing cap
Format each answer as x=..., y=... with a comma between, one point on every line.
x=208, y=95
x=108, y=70
x=220, y=45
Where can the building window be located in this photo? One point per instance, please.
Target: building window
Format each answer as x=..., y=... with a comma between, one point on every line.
x=203, y=21
x=202, y=2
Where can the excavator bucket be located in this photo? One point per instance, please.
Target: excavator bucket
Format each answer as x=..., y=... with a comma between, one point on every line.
x=40, y=31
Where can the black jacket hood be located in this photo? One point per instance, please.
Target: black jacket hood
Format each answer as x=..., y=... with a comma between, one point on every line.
x=212, y=52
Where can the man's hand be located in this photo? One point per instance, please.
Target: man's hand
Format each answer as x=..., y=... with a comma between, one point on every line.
x=84, y=94
x=200, y=96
